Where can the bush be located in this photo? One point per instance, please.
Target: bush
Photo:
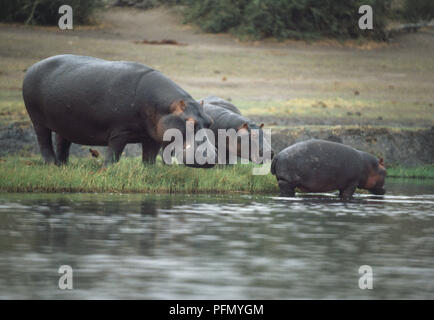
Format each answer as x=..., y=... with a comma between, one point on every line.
x=287, y=18
x=46, y=12
x=145, y=4
x=416, y=10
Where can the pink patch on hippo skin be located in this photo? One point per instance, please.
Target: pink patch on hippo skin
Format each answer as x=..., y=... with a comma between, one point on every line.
x=381, y=164
x=192, y=120
x=177, y=107
x=372, y=180
x=376, y=175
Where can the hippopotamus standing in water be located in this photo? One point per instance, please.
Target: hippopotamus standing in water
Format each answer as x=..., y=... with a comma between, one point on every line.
x=227, y=116
x=96, y=102
x=322, y=166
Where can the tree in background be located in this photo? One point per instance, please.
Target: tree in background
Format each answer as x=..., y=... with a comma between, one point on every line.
x=281, y=19
x=417, y=10
x=46, y=12
x=288, y=18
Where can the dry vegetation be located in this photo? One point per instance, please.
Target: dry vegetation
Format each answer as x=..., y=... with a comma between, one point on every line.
x=393, y=82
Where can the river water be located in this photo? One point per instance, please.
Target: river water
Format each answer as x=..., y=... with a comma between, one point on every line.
x=219, y=247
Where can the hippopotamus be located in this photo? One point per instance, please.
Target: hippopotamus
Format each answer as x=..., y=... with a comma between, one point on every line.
x=96, y=102
x=227, y=116
x=219, y=102
x=322, y=166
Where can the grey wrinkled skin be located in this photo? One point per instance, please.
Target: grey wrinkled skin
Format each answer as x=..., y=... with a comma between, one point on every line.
x=95, y=102
x=227, y=116
x=219, y=102
x=323, y=166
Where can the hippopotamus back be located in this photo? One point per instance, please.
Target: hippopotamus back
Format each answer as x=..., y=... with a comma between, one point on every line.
x=219, y=102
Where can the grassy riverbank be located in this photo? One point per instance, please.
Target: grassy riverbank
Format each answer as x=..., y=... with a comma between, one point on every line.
x=422, y=172
x=131, y=176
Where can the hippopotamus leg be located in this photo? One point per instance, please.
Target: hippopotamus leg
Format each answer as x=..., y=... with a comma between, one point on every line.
x=347, y=193
x=149, y=151
x=62, y=149
x=45, y=142
x=287, y=189
x=115, y=148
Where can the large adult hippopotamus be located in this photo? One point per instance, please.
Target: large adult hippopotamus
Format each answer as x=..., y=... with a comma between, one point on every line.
x=226, y=116
x=322, y=166
x=91, y=101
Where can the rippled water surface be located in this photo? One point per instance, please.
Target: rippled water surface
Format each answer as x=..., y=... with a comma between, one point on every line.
x=221, y=247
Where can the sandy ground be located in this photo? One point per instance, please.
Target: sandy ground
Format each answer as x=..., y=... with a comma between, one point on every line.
x=325, y=82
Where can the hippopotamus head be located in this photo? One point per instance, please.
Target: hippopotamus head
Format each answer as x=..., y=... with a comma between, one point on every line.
x=184, y=113
x=376, y=175
x=260, y=147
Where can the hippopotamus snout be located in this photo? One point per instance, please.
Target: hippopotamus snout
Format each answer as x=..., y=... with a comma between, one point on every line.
x=378, y=191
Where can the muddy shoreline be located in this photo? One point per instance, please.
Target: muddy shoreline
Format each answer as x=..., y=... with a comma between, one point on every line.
x=410, y=147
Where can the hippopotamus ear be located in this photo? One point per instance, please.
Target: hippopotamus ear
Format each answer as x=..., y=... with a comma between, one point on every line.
x=177, y=107
x=261, y=126
x=381, y=162
x=201, y=103
x=245, y=125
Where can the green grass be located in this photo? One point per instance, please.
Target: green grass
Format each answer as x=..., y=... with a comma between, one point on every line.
x=131, y=176
x=336, y=107
x=416, y=172
x=12, y=107
x=127, y=176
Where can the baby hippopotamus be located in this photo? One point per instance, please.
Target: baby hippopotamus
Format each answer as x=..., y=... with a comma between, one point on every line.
x=322, y=166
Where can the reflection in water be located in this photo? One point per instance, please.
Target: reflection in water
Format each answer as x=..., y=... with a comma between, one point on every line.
x=252, y=247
